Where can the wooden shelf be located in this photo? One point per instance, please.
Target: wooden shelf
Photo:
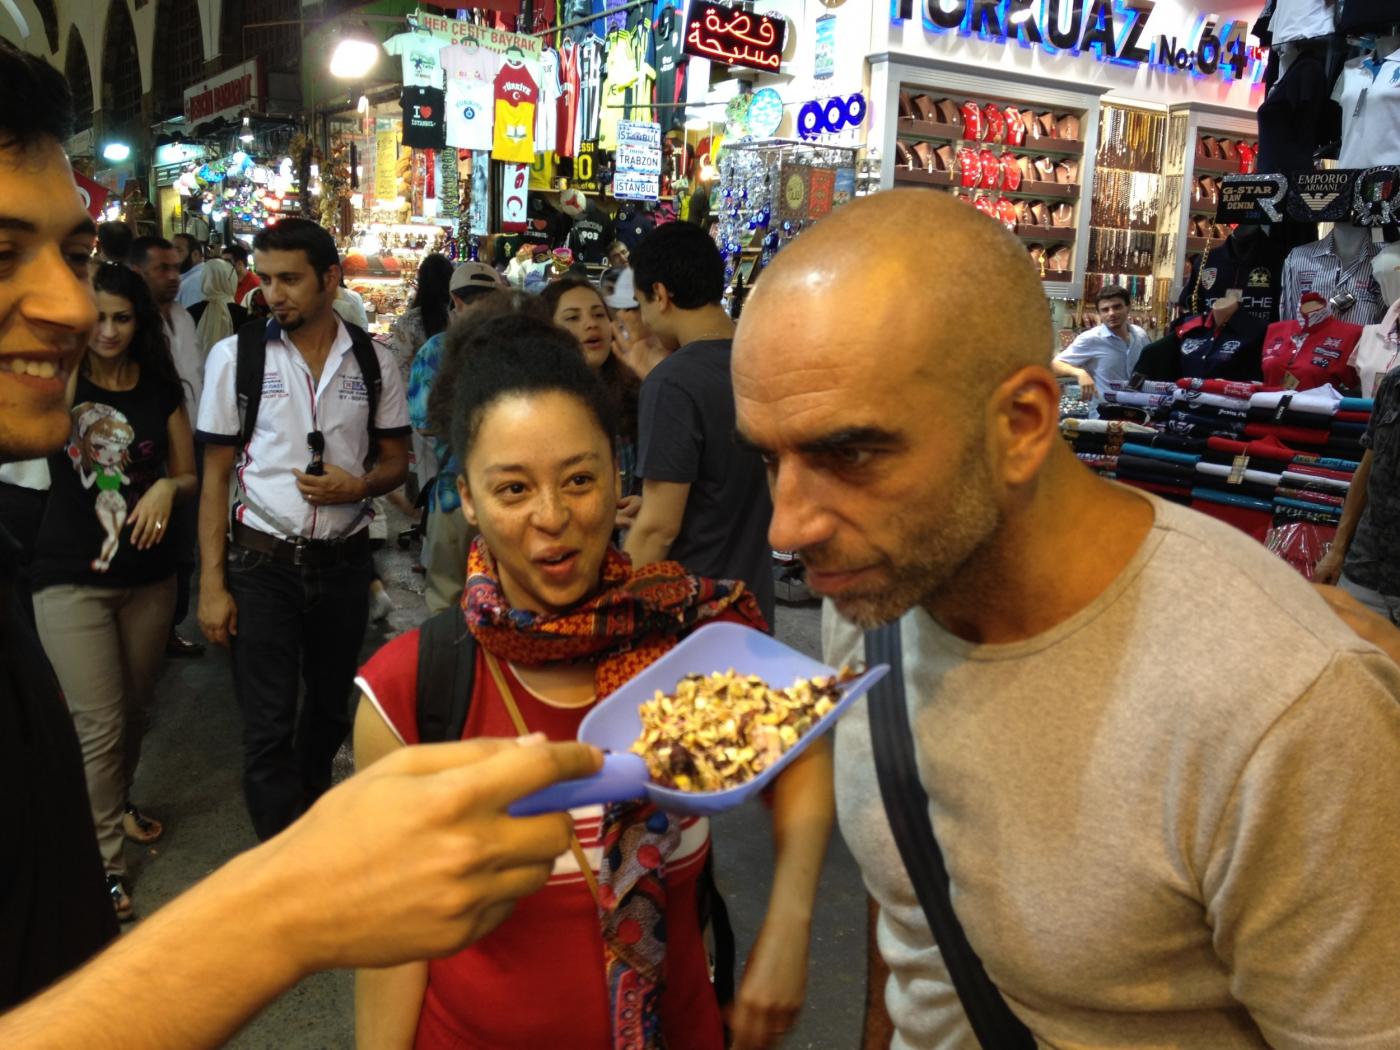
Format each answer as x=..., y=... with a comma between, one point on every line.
x=1059, y=191
x=933, y=132
x=1203, y=244
x=1029, y=232
x=1056, y=275
x=1215, y=166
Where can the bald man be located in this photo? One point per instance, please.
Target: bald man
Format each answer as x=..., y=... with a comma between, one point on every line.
x=1163, y=775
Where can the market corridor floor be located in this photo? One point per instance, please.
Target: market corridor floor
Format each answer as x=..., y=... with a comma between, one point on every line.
x=190, y=778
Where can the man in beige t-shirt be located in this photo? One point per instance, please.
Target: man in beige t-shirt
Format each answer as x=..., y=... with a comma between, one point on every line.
x=1165, y=777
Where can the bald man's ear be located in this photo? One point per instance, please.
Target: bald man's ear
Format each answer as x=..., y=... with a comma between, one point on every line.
x=1025, y=423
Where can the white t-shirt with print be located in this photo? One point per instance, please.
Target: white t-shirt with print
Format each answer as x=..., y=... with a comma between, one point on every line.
x=419, y=52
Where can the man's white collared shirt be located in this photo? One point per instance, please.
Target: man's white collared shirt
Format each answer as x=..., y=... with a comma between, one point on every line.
x=293, y=405
x=1109, y=359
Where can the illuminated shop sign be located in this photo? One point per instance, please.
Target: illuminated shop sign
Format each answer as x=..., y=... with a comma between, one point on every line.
x=1118, y=31
x=734, y=37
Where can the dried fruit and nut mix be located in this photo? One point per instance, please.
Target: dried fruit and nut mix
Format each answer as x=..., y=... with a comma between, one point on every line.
x=721, y=730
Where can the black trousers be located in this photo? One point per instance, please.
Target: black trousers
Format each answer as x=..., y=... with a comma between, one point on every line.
x=296, y=625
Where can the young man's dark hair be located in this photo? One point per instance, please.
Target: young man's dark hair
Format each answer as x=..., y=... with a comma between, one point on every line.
x=143, y=246
x=1110, y=292
x=238, y=251
x=114, y=240
x=685, y=260
x=35, y=103
x=300, y=235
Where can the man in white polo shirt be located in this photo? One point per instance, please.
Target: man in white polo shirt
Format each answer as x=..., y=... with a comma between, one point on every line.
x=290, y=593
x=1107, y=353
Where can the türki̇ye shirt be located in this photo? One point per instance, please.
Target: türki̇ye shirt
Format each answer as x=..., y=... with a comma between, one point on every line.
x=1169, y=820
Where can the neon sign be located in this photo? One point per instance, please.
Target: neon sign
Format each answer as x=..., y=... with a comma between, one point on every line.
x=734, y=37
x=1112, y=30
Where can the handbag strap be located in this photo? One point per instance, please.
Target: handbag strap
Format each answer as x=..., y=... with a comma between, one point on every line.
x=906, y=806
x=585, y=867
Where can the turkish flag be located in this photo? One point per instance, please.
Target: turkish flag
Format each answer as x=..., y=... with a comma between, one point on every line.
x=93, y=194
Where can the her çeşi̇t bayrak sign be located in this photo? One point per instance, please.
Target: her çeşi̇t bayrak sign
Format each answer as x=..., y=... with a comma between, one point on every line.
x=226, y=95
x=1119, y=31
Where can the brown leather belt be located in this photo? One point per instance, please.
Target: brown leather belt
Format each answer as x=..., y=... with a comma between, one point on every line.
x=302, y=551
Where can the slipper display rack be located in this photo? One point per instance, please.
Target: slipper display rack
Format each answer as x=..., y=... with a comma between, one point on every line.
x=1015, y=149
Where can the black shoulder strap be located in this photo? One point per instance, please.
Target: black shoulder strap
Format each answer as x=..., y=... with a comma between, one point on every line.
x=906, y=806
x=446, y=670
x=248, y=375
x=363, y=348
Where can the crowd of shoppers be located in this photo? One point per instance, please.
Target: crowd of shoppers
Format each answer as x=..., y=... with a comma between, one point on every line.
x=1208, y=867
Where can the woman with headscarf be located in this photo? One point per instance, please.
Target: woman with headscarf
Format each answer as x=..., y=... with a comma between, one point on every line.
x=218, y=316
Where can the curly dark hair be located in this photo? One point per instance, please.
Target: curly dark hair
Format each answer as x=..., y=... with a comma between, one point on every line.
x=150, y=348
x=515, y=353
x=621, y=382
x=432, y=297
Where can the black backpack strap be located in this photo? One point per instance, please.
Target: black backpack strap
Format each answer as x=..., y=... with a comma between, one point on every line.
x=446, y=674
x=906, y=806
x=363, y=348
x=248, y=375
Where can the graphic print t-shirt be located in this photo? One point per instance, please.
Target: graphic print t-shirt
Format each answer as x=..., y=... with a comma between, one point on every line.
x=423, y=110
x=419, y=52
x=117, y=449
x=670, y=68
x=547, y=112
x=516, y=96
x=470, y=70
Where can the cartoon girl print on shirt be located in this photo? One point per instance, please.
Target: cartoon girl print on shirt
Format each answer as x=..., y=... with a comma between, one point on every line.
x=99, y=449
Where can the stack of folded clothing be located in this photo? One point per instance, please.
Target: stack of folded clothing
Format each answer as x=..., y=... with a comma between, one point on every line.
x=1294, y=417
x=1167, y=472
x=1100, y=436
x=1239, y=481
x=1348, y=425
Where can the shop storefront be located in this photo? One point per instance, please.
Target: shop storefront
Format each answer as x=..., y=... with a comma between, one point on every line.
x=1098, y=134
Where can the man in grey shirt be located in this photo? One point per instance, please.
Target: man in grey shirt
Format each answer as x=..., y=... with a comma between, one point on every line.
x=1163, y=774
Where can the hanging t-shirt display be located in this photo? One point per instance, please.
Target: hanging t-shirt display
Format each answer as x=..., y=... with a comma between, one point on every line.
x=633, y=224
x=568, y=99
x=546, y=224
x=470, y=71
x=547, y=111
x=590, y=72
x=1368, y=91
x=1249, y=260
x=671, y=66
x=419, y=53
x=516, y=97
x=592, y=234
x=423, y=110
x=619, y=75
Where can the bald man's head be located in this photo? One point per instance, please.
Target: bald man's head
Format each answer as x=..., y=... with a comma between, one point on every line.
x=903, y=399
x=963, y=298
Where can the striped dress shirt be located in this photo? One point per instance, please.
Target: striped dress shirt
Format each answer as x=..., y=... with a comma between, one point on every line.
x=1318, y=268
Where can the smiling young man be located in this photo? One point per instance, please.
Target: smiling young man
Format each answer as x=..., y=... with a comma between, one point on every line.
x=289, y=594
x=54, y=909
x=1162, y=774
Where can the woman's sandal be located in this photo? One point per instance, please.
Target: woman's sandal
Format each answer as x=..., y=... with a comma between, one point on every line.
x=121, y=897
x=140, y=828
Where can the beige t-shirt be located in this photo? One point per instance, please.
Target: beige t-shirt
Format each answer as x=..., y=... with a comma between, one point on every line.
x=1171, y=821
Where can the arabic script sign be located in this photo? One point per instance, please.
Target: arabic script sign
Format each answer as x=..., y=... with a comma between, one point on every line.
x=734, y=37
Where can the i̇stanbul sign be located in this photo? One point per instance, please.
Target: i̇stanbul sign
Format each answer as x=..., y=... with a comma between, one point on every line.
x=1118, y=31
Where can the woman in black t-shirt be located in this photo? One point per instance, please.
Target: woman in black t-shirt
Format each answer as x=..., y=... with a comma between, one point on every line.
x=104, y=579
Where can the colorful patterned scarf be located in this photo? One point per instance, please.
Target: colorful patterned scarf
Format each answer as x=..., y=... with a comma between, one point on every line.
x=635, y=618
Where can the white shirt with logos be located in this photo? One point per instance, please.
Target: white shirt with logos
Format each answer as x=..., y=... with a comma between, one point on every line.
x=419, y=53
x=184, y=348
x=1302, y=20
x=293, y=405
x=470, y=70
x=1368, y=90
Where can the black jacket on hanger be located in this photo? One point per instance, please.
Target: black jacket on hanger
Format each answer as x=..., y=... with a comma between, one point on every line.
x=1296, y=117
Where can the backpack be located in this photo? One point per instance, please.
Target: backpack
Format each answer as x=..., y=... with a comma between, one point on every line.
x=446, y=676
x=252, y=358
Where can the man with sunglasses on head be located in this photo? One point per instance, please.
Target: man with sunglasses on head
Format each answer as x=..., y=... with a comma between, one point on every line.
x=285, y=584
